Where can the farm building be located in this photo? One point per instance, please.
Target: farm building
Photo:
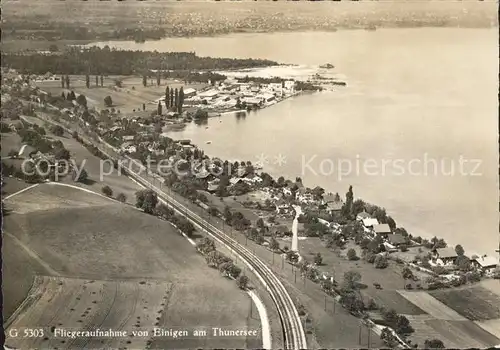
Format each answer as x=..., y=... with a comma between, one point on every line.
x=189, y=92
x=382, y=229
x=486, y=263
x=333, y=207
x=396, y=239
x=235, y=180
x=370, y=222
x=363, y=215
x=446, y=255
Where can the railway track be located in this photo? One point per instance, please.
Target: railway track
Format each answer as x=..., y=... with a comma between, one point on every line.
x=293, y=331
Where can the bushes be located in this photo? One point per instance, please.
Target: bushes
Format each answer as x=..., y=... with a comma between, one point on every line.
x=381, y=262
x=351, y=254
x=107, y=191
x=57, y=130
x=121, y=197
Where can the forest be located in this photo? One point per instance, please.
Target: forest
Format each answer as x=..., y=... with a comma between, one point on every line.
x=95, y=60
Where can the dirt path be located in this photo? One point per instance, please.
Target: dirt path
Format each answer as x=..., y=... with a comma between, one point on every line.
x=32, y=254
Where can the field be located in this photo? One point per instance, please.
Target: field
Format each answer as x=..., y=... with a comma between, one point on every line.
x=475, y=303
x=134, y=259
x=454, y=334
x=129, y=97
x=389, y=278
x=432, y=306
x=443, y=322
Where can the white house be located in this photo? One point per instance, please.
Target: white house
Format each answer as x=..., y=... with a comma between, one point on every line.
x=363, y=215
x=324, y=222
x=486, y=263
x=370, y=222
x=189, y=92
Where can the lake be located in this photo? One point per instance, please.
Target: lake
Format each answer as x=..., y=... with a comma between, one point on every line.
x=415, y=130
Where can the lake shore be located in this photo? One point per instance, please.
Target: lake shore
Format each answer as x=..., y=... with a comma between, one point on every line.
x=206, y=19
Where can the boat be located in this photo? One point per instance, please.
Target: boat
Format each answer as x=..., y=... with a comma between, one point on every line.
x=327, y=66
x=209, y=142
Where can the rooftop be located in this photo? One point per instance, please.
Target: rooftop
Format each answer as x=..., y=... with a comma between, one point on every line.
x=487, y=261
x=447, y=252
x=381, y=228
x=396, y=239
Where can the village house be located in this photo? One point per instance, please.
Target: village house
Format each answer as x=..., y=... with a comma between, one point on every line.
x=382, y=230
x=252, y=178
x=396, y=239
x=363, y=215
x=371, y=223
x=324, y=222
x=234, y=180
x=334, y=207
x=213, y=185
x=189, y=92
x=128, y=147
x=282, y=207
x=486, y=264
x=444, y=256
x=128, y=138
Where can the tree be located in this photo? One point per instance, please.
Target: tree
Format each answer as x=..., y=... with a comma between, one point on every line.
x=389, y=338
x=181, y=100
x=459, y=250
x=159, y=110
x=352, y=301
x=96, y=80
x=433, y=344
x=351, y=280
x=463, y=263
x=121, y=197
x=403, y=325
x=67, y=81
x=167, y=97
x=171, y=103
x=158, y=78
x=273, y=244
x=407, y=273
x=102, y=80
x=351, y=254
x=144, y=80
x=74, y=135
x=57, y=130
x=176, y=99
x=79, y=177
x=87, y=81
x=381, y=262
x=82, y=100
x=63, y=81
x=242, y=282
x=347, y=207
x=146, y=200
x=391, y=223
x=260, y=223
x=53, y=48
x=318, y=259
x=108, y=101
x=61, y=153
x=107, y=191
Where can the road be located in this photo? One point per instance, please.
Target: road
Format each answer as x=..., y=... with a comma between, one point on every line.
x=293, y=331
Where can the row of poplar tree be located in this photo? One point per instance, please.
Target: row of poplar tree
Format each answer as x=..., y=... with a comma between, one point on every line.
x=174, y=99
